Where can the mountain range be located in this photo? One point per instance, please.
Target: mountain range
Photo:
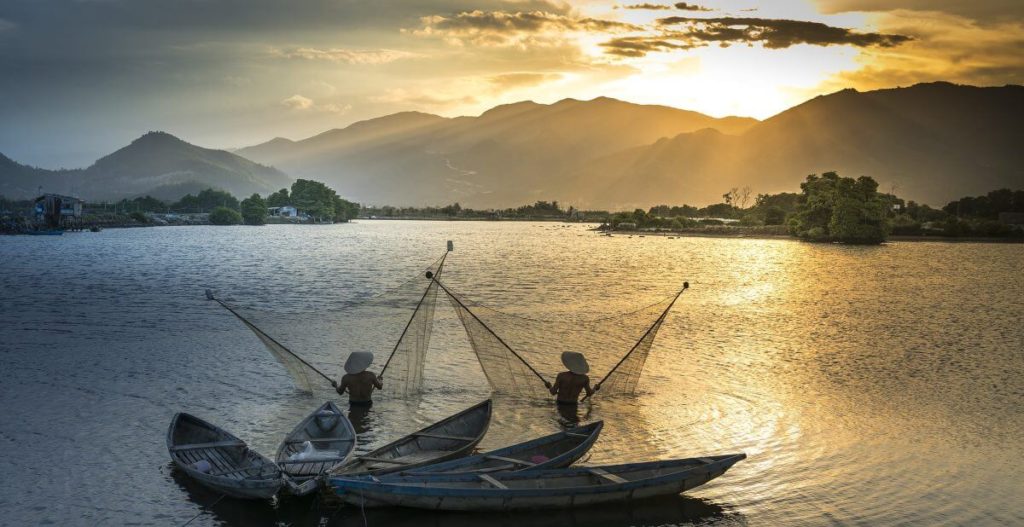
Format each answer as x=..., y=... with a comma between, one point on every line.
x=157, y=164
x=930, y=142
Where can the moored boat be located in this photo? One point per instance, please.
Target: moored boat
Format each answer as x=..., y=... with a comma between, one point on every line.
x=219, y=460
x=323, y=440
x=552, y=451
x=450, y=438
x=534, y=489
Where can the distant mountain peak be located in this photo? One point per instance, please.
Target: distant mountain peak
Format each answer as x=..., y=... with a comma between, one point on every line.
x=157, y=137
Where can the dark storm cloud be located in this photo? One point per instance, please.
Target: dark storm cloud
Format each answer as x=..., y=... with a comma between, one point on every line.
x=503, y=22
x=651, y=7
x=657, y=7
x=773, y=33
x=640, y=46
x=691, y=7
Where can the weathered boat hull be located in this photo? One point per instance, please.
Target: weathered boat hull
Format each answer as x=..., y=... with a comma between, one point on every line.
x=561, y=450
x=235, y=470
x=329, y=430
x=449, y=438
x=534, y=489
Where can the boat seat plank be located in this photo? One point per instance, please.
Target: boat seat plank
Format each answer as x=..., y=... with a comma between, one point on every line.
x=233, y=471
x=324, y=440
x=706, y=460
x=200, y=446
x=574, y=434
x=444, y=436
x=310, y=461
x=216, y=457
x=511, y=460
x=382, y=460
x=493, y=482
x=601, y=473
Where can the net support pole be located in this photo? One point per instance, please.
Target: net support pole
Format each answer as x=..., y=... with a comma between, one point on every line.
x=413, y=317
x=660, y=319
x=209, y=296
x=489, y=330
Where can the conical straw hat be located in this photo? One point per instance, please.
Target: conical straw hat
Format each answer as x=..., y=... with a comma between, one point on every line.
x=576, y=362
x=358, y=361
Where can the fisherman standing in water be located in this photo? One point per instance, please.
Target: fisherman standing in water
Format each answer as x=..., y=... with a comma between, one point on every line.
x=569, y=384
x=359, y=382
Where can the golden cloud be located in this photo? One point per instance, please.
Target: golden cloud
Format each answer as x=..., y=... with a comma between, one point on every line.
x=350, y=56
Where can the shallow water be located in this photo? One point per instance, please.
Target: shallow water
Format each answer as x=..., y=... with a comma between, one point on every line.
x=867, y=385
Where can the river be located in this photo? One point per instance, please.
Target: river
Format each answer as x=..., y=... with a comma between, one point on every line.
x=867, y=385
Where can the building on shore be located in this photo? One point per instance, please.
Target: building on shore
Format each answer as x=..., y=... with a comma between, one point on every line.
x=286, y=211
x=57, y=211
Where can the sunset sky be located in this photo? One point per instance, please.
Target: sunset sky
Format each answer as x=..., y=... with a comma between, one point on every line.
x=80, y=78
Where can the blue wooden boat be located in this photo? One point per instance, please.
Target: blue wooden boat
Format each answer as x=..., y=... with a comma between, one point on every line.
x=450, y=438
x=534, y=489
x=323, y=440
x=219, y=460
x=552, y=451
x=52, y=232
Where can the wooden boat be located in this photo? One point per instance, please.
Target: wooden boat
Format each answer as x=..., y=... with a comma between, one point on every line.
x=332, y=439
x=553, y=451
x=51, y=232
x=533, y=489
x=453, y=437
x=219, y=460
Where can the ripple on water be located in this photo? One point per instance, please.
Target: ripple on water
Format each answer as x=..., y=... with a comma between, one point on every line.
x=867, y=385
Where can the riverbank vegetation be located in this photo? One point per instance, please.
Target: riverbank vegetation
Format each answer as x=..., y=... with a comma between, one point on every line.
x=318, y=202
x=829, y=208
x=832, y=208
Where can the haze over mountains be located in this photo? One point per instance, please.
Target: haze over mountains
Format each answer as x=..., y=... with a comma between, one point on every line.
x=934, y=142
x=157, y=164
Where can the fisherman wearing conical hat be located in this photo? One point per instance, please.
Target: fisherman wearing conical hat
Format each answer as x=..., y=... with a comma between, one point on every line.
x=359, y=382
x=569, y=384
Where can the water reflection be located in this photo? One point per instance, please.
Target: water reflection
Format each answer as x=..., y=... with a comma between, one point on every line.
x=867, y=385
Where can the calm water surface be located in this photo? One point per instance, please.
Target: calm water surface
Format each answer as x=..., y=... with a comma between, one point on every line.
x=867, y=385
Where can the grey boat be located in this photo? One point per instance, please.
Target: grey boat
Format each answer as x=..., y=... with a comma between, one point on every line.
x=331, y=439
x=534, y=489
x=450, y=438
x=219, y=460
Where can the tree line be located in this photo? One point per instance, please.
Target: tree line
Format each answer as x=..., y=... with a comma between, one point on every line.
x=315, y=199
x=832, y=208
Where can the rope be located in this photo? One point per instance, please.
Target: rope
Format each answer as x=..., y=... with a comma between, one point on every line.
x=250, y=324
x=581, y=320
x=660, y=319
x=411, y=318
x=350, y=304
x=489, y=330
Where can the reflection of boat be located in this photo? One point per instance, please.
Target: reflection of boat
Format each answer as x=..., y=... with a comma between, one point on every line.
x=453, y=437
x=552, y=451
x=540, y=489
x=322, y=441
x=51, y=232
x=219, y=460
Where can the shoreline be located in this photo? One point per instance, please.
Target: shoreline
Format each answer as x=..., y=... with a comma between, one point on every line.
x=769, y=236
x=610, y=234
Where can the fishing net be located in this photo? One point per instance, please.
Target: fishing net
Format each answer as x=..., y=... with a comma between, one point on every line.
x=309, y=334
x=518, y=351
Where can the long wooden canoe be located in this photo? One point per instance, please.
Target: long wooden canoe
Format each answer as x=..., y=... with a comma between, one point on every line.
x=540, y=489
x=219, y=460
x=332, y=438
x=453, y=437
x=552, y=451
